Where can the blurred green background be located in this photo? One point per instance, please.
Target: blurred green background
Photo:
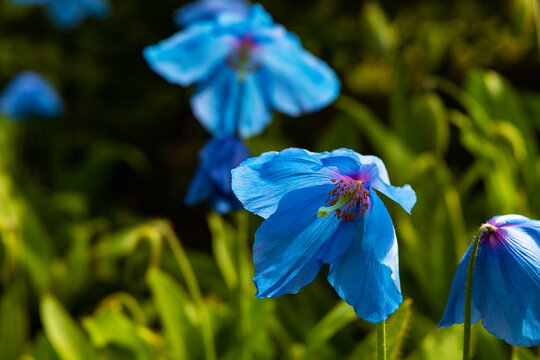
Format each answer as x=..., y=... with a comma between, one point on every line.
x=100, y=259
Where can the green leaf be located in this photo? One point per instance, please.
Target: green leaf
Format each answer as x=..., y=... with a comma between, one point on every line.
x=112, y=327
x=14, y=322
x=440, y=344
x=397, y=327
x=340, y=316
x=222, y=237
x=63, y=332
x=519, y=353
x=172, y=306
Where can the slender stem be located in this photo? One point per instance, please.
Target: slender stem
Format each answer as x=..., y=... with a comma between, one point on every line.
x=381, y=340
x=468, y=291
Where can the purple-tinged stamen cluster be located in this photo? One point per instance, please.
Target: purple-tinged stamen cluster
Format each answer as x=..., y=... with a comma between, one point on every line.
x=349, y=198
x=241, y=59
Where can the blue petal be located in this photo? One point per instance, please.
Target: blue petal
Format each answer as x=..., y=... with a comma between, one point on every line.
x=226, y=105
x=351, y=163
x=261, y=182
x=212, y=181
x=455, y=306
x=30, y=94
x=69, y=13
x=367, y=275
x=296, y=82
x=288, y=243
x=189, y=55
x=404, y=196
x=506, y=286
x=342, y=159
x=503, y=220
x=205, y=10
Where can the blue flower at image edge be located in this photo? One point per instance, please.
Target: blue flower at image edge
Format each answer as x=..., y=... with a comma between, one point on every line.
x=30, y=94
x=244, y=66
x=70, y=13
x=212, y=181
x=323, y=208
x=506, y=282
x=204, y=10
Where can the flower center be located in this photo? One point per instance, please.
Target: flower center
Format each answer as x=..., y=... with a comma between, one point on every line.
x=241, y=59
x=348, y=199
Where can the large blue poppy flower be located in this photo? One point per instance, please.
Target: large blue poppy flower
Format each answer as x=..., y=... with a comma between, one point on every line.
x=70, y=13
x=506, y=282
x=212, y=180
x=244, y=66
x=30, y=94
x=324, y=209
x=204, y=10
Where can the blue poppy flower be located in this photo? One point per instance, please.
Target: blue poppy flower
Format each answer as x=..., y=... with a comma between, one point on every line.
x=506, y=282
x=323, y=208
x=212, y=180
x=244, y=66
x=70, y=13
x=30, y=94
x=204, y=10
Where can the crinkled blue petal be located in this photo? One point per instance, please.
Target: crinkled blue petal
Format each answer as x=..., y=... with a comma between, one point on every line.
x=206, y=10
x=367, y=275
x=288, y=244
x=225, y=105
x=373, y=171
x=455, y=306
x=506, y=288
x=30, y=94
x=296, y=81
x=340, y=158
x=261, y=182
x=190, y=55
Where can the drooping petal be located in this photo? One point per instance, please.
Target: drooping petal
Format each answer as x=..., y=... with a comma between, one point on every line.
x=340, y=158
x=189, y=55
x=261, y=182
x=224, y=104
x=205, y=10
x=367, y=275
x=288, y=243
x=404, y=195
x=506, y=286
x=296, y=81
x=370, y=169
x=455, y=306
x=30, y=94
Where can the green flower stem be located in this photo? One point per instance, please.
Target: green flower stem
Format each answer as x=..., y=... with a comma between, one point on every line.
x=468, y=291
x=381, y=340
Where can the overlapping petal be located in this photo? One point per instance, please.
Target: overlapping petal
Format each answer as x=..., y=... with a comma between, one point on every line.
x=287, y=245
x=261, y=182
x=367, y=275
x=190, y=55
x=224, y=105
x=297, y=82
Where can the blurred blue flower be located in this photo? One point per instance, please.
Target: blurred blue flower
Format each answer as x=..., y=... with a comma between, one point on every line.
x=70, y=13
x=506, y=282
x=323, y=208
x=30, y=94
x=244, y=66
x=212, y=180
x=204, y=10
